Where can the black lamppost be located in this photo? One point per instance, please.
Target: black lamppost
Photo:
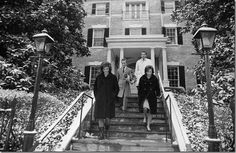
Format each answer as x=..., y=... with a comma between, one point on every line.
x=43, y=44
x=205, y=37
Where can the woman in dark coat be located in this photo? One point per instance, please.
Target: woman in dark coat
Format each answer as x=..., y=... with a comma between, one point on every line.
x=105, y=90
x=149, y=90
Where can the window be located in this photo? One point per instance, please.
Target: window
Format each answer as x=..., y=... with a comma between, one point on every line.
x=91, y=72
x=174, y=35
x=98, y=37
x=173, y=76
x=95, y=70
x=135, y=10
x=176, y=76
x=100, y=9
x=169, y=6
x=135, y=31
x=171, y=34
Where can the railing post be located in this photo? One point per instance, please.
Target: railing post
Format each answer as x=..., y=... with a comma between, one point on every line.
x=91, y=118
x=81, y=113
x=171, y=137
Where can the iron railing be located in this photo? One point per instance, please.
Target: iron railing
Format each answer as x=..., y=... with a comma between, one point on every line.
x=81, y=99
x=168, y=114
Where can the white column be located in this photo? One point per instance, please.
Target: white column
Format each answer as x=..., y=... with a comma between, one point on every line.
x=153, y=58
x=113, y=67
x=121, y=55
x=165, y=74
x=135, y=11
x=109, y=55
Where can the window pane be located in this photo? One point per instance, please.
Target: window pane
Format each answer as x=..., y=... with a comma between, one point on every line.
x=137, y=10
x=170, y=33
x=135, y=31
x=95, y=70
x=98, y=37
x=169, y=7
x=100, y=9
x=173, y=76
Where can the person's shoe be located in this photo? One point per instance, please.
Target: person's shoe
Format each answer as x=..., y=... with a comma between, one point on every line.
x=101, y=133
x=144, y=120
x=148, y=128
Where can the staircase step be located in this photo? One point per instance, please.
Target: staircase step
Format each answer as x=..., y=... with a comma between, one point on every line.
x=138, y=120
x=135, y=104
x=138, y=115
x=136, y=109
x=155, y=135
x=134, y=127
x=117, y=144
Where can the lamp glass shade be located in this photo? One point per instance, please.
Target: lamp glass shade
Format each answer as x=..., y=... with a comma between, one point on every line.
x=208, y=38
x=48, y=47
x=40, y=43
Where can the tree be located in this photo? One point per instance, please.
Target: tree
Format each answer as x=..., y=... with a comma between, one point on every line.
x=21, y=19
x=220, y=15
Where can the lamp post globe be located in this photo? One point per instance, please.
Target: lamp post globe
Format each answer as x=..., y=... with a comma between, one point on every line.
x=205, y=37
x=42, y=41
x=42, y=44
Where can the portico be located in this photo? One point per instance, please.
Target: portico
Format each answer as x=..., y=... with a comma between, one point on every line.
x=130, y=47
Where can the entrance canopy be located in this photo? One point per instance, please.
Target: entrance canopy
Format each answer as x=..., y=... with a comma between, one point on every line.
x=137, y=41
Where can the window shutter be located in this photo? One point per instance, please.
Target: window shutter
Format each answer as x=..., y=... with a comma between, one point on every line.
x=107, y=9
x=106, y=34
x=182, y=76
x=87, y=74
x=93, y=8
x=126, y=31
x=90, y=37
x=164, y=31
x=144, y=31
x=162, y=7
x=180, y=37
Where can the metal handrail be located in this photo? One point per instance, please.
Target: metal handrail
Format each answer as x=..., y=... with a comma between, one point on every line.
x=58, y=120
x=81, y=113
x=165, y=106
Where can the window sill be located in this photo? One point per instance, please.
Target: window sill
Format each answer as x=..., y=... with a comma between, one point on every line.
x=97, y=47
x=172, y=45
x=95, y=15
x=142, y=19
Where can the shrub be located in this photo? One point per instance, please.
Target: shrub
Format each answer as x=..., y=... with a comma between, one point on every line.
x=195, y=119
x=48, y=109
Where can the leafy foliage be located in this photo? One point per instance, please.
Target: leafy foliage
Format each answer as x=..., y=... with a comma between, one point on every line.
x=220, y=15
x=195, y=119
x=48, y=110
x=63, y=19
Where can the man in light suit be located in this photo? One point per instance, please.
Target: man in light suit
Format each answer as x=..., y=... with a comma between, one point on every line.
x=123, y=76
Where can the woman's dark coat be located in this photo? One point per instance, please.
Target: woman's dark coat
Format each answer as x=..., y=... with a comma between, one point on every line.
x=150, y=89
x=105, y=91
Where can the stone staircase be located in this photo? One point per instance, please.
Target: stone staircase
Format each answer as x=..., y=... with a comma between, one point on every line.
x=128, y=133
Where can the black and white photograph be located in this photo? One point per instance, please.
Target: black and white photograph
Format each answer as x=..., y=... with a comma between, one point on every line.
x=117, y=75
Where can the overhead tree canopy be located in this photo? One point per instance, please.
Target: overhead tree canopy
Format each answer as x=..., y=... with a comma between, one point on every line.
x=21, y=19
